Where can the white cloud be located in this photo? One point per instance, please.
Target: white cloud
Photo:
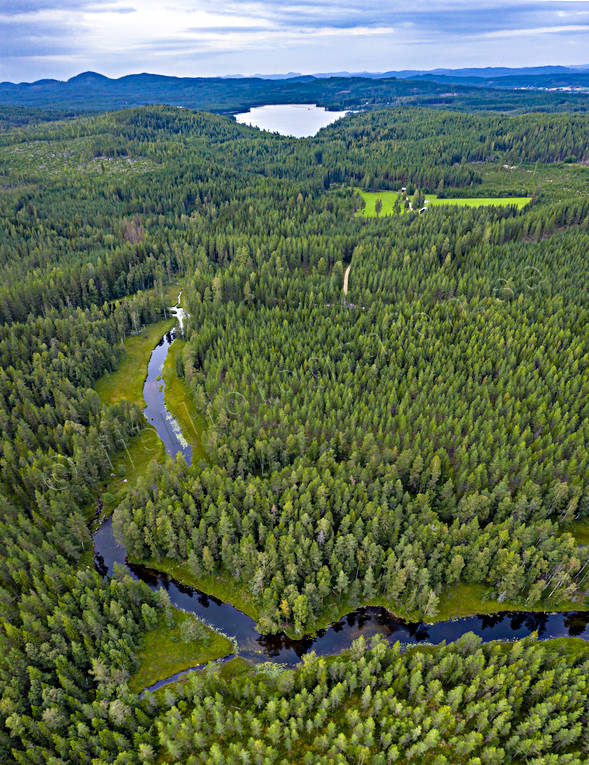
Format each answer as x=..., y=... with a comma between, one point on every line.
x=536, y=31
x=225, y=36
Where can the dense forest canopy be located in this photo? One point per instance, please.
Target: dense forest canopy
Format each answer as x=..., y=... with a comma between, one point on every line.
x=423, y=430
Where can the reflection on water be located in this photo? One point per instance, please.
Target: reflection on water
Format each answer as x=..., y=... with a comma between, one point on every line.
x=155, y=410
x=365, y=621
x=295, y=120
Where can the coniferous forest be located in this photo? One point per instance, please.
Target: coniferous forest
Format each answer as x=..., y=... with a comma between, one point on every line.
x=384, y=410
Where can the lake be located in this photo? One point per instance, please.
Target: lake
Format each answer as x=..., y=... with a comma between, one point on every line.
x=296, y=120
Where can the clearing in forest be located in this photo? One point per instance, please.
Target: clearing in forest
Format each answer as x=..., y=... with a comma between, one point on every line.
x=388, y=199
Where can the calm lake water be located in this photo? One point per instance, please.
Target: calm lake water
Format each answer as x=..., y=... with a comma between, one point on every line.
x=297, y=120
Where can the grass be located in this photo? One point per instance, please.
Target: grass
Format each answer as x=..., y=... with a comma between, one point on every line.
x=469, y=600
x=456, y=602
x=164, y=652
x=131, y=463
x=126, y=382
x=179, y=402
x=218, y=586
x=580, y=530
x=228, y=670
x=519, y=202
x=388, y=199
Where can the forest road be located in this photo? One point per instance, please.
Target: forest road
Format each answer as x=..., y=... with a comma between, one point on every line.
x=346, y=275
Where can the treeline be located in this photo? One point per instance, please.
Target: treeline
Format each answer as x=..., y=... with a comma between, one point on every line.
x=69, y=637
x=407, y=436
x=21, y=116
x=376, y=527
x=55, y=430
x=429, y=148
x=427, y=428
x=450, y=704
x=93, y=92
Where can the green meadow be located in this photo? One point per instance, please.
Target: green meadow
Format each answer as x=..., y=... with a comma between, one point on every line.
x=388, y=199
x=433, y=201
x=126, y=382
x=172, y=647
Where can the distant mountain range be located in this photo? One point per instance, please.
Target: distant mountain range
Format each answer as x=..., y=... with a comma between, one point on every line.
x=489, y=72
x=539, y=77
x=492, y=88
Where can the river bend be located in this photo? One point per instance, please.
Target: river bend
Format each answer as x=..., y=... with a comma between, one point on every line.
x=366, y=621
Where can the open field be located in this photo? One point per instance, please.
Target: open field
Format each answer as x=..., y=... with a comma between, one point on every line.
x=388, y=199
x=433, y=201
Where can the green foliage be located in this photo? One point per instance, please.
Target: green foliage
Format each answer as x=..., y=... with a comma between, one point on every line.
x=460, y=703
x=424, y=432
x=94, y=92
x=391, y=202
x=177, y=642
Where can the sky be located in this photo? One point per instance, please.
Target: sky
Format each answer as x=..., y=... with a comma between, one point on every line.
x=61, y=38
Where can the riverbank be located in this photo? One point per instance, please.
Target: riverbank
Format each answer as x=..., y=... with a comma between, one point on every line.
x=216, y=586
x=460, y=601
x=231, y=608
x=126, y=382
x=238, y=667
x=177, y=643
x=137, y=454
x=179, y=401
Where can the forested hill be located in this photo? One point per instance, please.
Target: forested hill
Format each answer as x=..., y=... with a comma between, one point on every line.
x=417, y=440
x=91, y=92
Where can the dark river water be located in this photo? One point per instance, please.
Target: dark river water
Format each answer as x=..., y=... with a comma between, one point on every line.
x=365, y=621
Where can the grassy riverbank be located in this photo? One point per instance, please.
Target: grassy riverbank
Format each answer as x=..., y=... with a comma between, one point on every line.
x=165, y=650
x=580, y=530
x=217, y=586
x=459, y=601
x=126, y=382
x=179, y=402
x=469, y=600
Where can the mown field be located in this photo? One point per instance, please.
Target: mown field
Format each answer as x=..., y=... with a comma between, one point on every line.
x=388, y=199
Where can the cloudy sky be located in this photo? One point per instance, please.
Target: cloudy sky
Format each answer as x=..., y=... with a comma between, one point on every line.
x=60, y=38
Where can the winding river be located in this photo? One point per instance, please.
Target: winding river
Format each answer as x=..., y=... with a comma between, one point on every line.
x=366, y=621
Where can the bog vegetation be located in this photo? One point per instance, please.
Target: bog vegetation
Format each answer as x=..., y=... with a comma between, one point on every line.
x=428, y=429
